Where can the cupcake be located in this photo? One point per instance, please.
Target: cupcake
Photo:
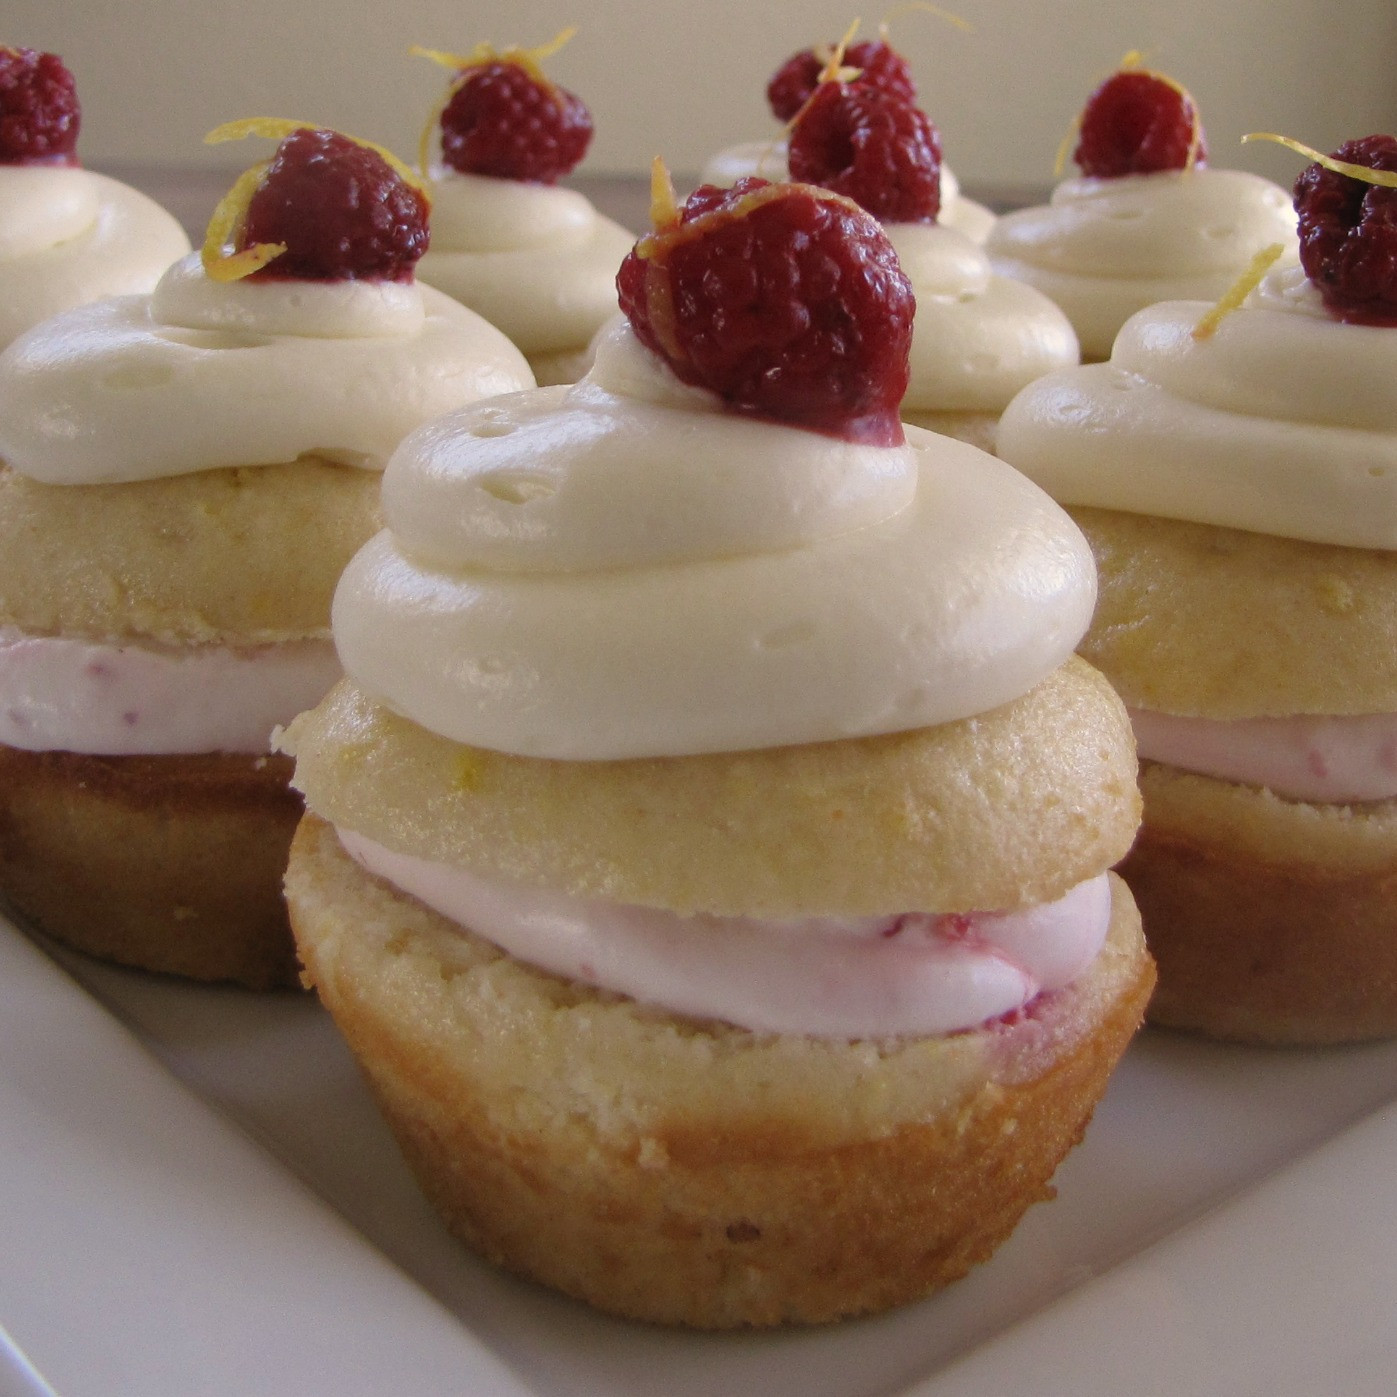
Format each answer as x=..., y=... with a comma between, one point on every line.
x=67, y=236
x=185, y=475
x=1236, y=479
x=537, y=261
x=706, y=851
x=979, y=337
x=1146, y=220
x=877, y=64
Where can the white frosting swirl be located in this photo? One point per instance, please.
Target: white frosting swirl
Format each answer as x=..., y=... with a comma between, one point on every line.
x=68, y=236
x=873, y=977
x=1283, y=422
x=767, y=160
x=977, y=337
x=1105, y=248
x=643, y=575
x=203, y=375
x=536, y=261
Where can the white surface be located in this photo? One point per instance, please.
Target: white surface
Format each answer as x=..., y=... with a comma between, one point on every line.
x=1271, y=1281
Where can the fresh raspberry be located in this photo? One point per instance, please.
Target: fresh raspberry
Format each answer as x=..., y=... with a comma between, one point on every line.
x=1135, y=123
x=1348, y=233
x=879, y=66
x=502, y=121
x=343, y=212
x=872, y=147
x=39, y=112
x=787, y=302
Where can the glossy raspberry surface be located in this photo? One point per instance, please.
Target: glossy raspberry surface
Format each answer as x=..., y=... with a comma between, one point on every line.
x=1136, y=124
x=879, y=66
x=871, y=146
x=503, y=122
x=39, y=112
x=794, y=309
x=1348, y=233
x=343, y=212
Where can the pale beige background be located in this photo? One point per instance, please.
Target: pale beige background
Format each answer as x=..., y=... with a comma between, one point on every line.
x=681, y=79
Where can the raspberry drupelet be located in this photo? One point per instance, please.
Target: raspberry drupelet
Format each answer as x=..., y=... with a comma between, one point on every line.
x=39, y=111
x=1138, y=123
x=785, y=300
x=339, y=210
x=1348, y=233
x=871, y=146
x=879, y=66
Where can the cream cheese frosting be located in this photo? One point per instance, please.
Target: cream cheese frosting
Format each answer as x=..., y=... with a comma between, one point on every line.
x=202, y=375
x=767, y=160
x=1103, y=249
x=537, y=261
x=624, y=569
x=63, y=694
x=1283, y=422
x=871, y=977
x=68, y=236
x=977, y=337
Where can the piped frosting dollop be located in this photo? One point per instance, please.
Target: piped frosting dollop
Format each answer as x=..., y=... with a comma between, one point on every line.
x=622, y=569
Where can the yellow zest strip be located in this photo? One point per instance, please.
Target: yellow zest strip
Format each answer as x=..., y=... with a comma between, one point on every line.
x=1065, y=149
x=834, y=70
x=232, y=208
x=1238, y=292
x=885, y=25
x=1386, y=178
x=664, y=204
x=227, y=215
x=460, y=64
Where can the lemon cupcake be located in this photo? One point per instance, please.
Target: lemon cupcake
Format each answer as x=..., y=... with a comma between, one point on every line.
x=185, y=475
x=706, y=857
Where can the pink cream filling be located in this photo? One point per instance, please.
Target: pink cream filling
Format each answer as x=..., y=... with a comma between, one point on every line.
x=59, y=694
x=1327, y=760
x=916, y=974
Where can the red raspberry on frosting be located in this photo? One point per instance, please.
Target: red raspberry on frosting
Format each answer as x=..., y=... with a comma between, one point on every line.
x=879, y=65
x=1348, y=233
x=871, y=146
x=39, y=111
x=1138, y=123
x=785, y=300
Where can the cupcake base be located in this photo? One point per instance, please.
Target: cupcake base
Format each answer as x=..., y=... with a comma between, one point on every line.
x=166, y=863
x=688, y=1172
x=1273, y=921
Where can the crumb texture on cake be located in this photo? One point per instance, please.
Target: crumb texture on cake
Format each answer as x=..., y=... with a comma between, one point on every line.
x=1273, y=921
x=170, y=863
x=1209, y=622
x=1003, y=810
x=245, y=556
x=684, y=1171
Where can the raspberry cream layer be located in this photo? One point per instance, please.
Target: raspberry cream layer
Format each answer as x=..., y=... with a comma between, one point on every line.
x=68, y=236
x=761, y=585
x=1283, y=422
x=1103, y=249
x=915, y=974
x=202, y=375
x=1321, y=759
x=977, y=337
x=536, y=261
x=767, y=160
x=61, y=694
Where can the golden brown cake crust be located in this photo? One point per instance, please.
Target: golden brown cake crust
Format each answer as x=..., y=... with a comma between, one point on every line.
x=1219, y=623
x=169, y=863
x=1009, y=808
x=1272, y=921
x=687, y=1172
x=245, y=556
